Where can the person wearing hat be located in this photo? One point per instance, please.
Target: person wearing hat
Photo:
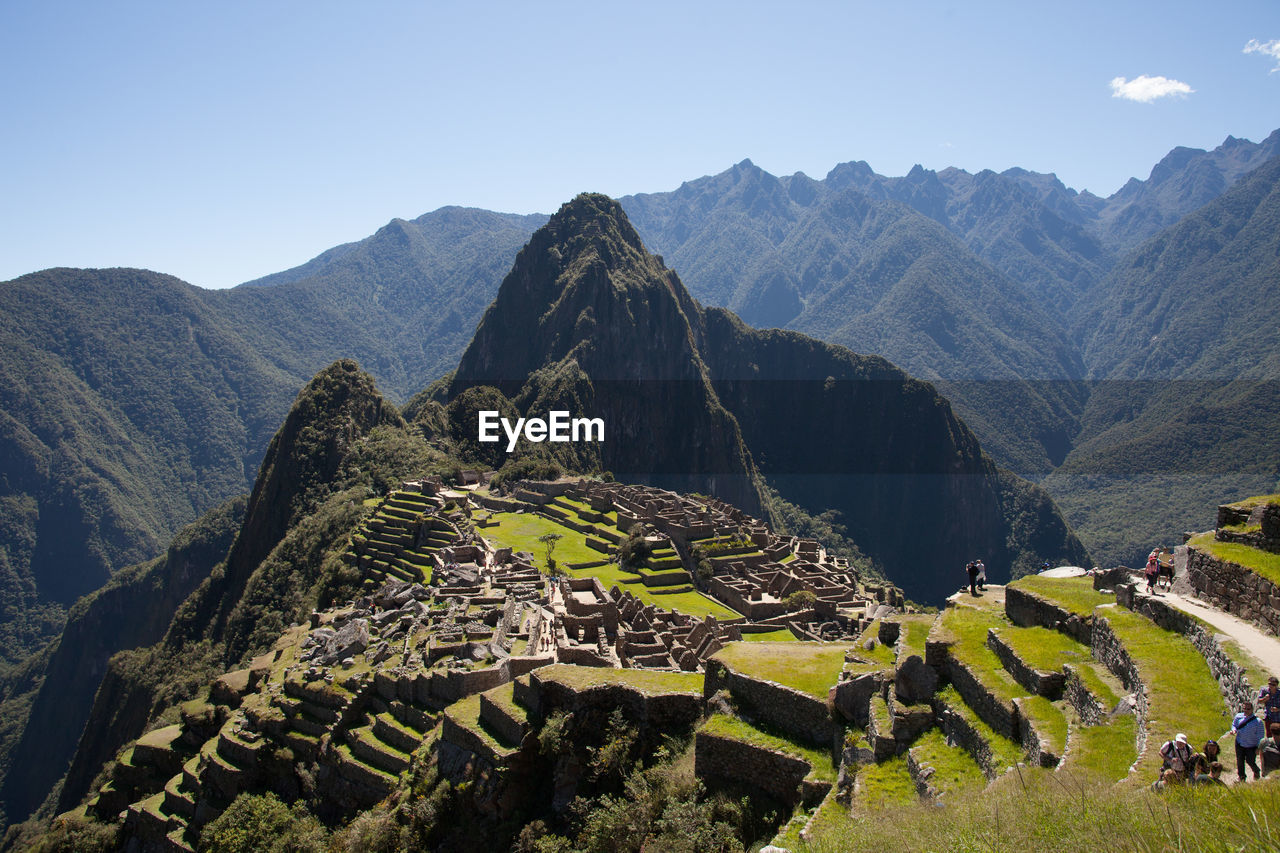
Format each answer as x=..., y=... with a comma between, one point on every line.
x=1269, y=701
x=1248, y=731
x=1177, y=756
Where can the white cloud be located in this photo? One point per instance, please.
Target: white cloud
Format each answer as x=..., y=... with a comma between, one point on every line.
x=1146, y=89
x=1266, y=48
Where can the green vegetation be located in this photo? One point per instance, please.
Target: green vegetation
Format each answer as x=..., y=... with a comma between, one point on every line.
x=1043, y=811
x=812, y=668
x=1184, y=696
x=884, y=786
x=522, y=532
x=1103, y=753
x=779, y=636
x=1075, y=595
x=955, y=771
x=1254, y=559
x=1049, y=722
x=1005, y=753
x=1044, y=649
x=732, y=727
x=914, y=632
x=261, y=822
x=969, y=626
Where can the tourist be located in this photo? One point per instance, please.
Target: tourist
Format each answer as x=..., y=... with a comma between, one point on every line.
x=1167, y=779
x=1201, y=761
x=1269, y=750
x=1269, y=701
x=1152, y=572
x=982, y=576
x=1248, y=731
x=1177, y=756
x=1213, y=777
x=972, y=569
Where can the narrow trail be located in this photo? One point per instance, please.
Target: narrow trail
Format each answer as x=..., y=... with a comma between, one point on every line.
x=1264, y=647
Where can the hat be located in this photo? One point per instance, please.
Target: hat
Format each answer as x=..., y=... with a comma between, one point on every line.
x=1181, y=738
x=1273, y=680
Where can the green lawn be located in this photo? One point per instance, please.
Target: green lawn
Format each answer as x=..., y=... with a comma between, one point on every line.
x=1045, y=649
x=1075, y=595
x=520, y=532
x=885, y=785
x=1255, y=560
x=915, y=630
x=820, y=762
x=1104, y=752
x=1049, y=722
x=955, y=771
x=812, y=668
x=781, y=636
x=881, y=654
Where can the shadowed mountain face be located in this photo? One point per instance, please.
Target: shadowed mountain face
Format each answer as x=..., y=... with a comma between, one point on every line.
x=695, y=398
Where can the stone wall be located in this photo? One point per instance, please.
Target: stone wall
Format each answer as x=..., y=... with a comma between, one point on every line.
x=1038, y=750
x=798, y=714
x=960, y=733
x=1233, y=680
x=1026, y=610
x=1000, y=715
x=1235, y=589
x=777, y=774
x=1089, y=707
x=1108, y=649
x=1047, y=684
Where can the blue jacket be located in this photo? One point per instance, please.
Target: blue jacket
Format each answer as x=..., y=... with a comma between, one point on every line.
x=1248, y=730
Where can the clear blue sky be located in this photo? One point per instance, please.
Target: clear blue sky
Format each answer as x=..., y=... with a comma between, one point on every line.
x=223, y=141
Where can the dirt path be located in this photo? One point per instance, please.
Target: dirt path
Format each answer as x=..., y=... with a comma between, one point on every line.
x=1262, y=646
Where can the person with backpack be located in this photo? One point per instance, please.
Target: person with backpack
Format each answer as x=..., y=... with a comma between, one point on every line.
x=1248, y=731
x=1269, y=751
x=1152, y=573
x=1176, y=754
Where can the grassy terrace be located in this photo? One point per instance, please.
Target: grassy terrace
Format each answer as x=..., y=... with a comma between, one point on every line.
x=1049, y=721
x=915, y=630
x=1045, y=649
x=1004, y=752
x=885, y=785
x=1104, y=752
x=1184, y=696
x=781, y=636
x=1256, y=560
x=644, y=680
x=1076, y=595
x=520, y=532
x=731, y=727
x=812, y=668
x=1101, y=683
x=1259, y=500
x=881, y=654
x=955, y=771
x=466, y=713
x=968, y=625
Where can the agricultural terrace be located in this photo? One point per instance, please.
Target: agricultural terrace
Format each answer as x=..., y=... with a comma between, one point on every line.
x=520, y=531
x=812, y=668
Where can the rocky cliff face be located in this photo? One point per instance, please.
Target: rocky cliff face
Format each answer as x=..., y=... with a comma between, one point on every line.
x=211, y=628
x=695, y=399
x=132, y=610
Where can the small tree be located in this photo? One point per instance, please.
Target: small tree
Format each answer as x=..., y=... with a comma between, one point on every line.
x=801, y=599
x=549, y=541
